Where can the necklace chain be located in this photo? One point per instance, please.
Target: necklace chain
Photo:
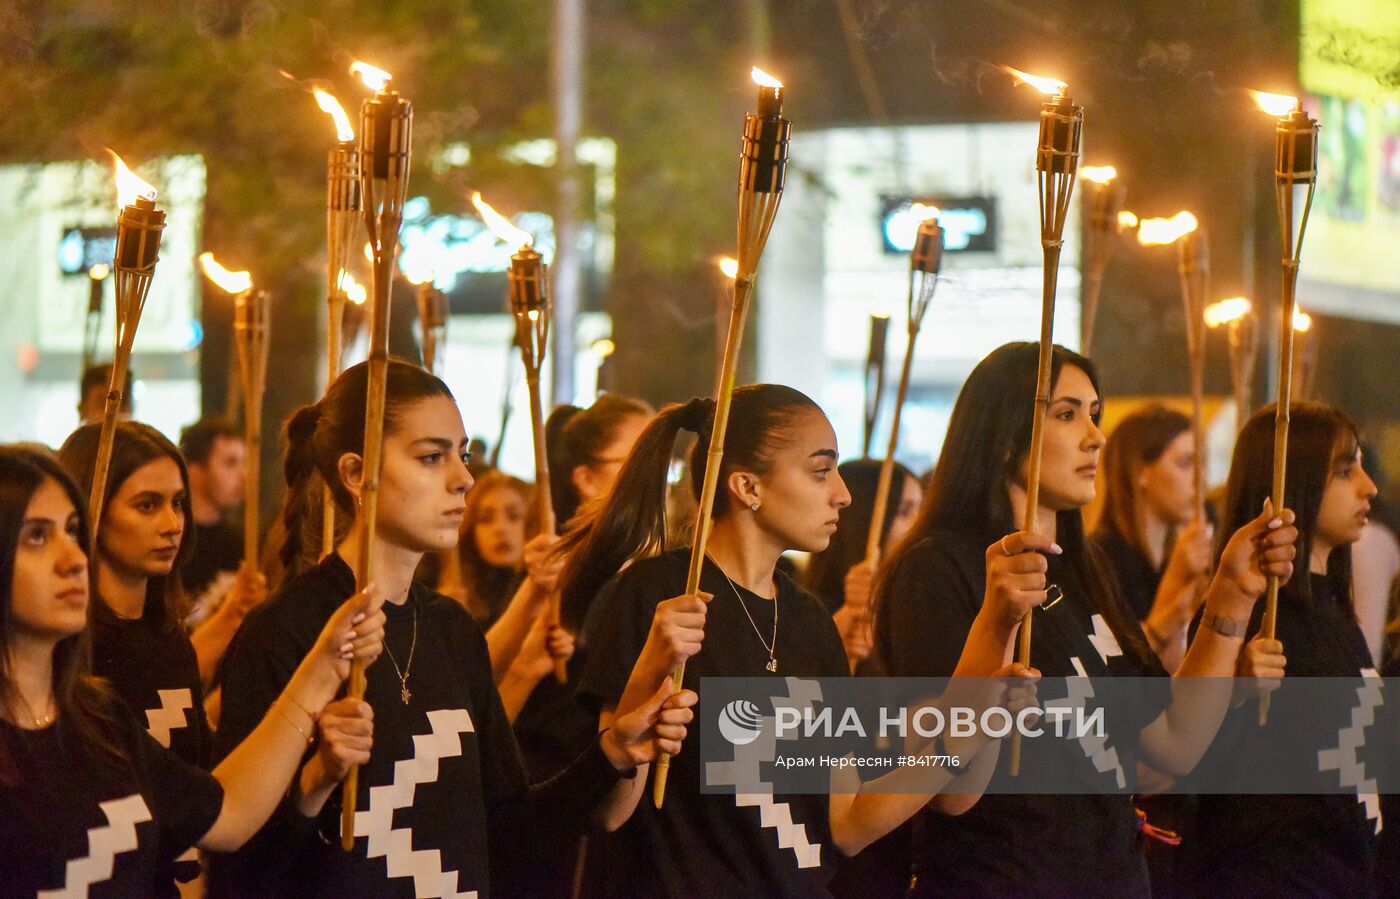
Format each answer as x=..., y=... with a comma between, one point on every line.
x=407, y=669
x=770, y=645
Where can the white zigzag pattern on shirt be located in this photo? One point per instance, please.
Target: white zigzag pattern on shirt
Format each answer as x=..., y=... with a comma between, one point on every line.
x=778, y=815
x=377, y=822
x=104, y=843
x=1080, y=689
x=1342, y=758
x=1103, y=639
x=170, y=715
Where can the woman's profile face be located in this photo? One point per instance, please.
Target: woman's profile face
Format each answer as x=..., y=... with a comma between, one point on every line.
x=1166, y=487
x=144, y=521
x=802, y=494
x=499, y=529
x=49, y=592
x=597, y=477
x=1070, y=456
x=1346, y=503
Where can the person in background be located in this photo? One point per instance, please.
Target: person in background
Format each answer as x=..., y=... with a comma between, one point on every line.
x=587, y=448
x=92, y=393
x=484, y=569
x=1157, y=554
x=217, y=459
x=1375, y=565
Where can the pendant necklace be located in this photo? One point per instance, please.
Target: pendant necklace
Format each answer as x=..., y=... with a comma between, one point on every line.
x=403, y=673
x=770, y=645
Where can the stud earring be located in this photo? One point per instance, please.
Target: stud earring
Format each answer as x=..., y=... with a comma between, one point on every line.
x=754, y=507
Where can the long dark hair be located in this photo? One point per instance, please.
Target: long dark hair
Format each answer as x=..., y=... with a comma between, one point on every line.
x=826, y=572
x=1139, y=440
x=631, y=522
x=575, y=437
x=85, y=709
x=319, y=434
x=989, y=435
x=1318, y=437
x=135, y=445
x=485, y=586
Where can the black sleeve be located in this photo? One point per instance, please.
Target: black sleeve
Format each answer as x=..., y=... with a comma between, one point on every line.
x=186, y=800
x=930, y=609
x=259, y=663
x=619, y=628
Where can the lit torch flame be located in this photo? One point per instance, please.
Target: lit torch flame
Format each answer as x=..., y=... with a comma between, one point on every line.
x=1099, y=174
x=1127, y=220
x=1301, y=321
x=729, y=266
x=1276, y=104
x=100, y=271
x=1154, y=232
x=763, y=79
x=501, y=226
x=1044, y=85
x=1226, y=311
x=328, y=103
x=130, y=187
x=376, y=79
x=229, y=282
x=354, y=291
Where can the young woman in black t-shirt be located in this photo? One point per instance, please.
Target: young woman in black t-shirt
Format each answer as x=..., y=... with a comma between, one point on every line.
x=964, y=549
x=90, y=804
x=1316, y=845
x=444, y=803
x=1158, y=555
x=779, y=490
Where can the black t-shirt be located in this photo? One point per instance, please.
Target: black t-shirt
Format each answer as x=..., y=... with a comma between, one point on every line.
x=217, y=548
x=1315, y=845
x=80, y=824
x=154, y=669
x=445, y=784
x=1009, y=844
x=1132, y=571
x=713, y=844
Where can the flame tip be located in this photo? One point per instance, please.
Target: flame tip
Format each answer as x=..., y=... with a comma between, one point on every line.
x=763, y=79
x=374, y=77
x=502, y=227
x=1043, y=84
x=230, y=282
x=1276, y=104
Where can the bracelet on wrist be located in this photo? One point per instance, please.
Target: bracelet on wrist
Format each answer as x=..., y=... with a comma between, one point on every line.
x=1225, y=627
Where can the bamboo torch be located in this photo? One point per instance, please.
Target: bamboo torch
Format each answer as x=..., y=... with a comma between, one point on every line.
x=432, y=313
x=1295, y=178
x=924, y=263
x=139, y=226
x=1103, y=201
x=386, y=129
x=529, y=304
x=762, y=167
x=250, y=323
x=1194, y=268
x=874, y=377
x=92, y=323
x=342, y=215
x=1056, y=162
x=1236, y=315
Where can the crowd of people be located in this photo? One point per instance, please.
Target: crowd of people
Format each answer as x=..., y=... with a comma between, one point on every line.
x=174, y=720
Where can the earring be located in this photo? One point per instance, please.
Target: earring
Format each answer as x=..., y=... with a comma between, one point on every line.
x=754, y=507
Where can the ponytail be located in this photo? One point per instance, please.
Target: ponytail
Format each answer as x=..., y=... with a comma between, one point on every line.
x=630, y=523
x=319, y=434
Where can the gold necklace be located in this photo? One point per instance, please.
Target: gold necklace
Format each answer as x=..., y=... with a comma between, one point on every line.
x=770, y=646
x=403, y=673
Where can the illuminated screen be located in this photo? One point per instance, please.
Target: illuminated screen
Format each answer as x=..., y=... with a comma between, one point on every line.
x=1349, y=76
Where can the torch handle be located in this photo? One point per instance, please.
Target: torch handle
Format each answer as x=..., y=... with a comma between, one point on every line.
x=714, y=458
x=544, y=505
x=1268, y=626
x=107, y=437
x=882, y=487
x=335, y=328
x=1030, y=518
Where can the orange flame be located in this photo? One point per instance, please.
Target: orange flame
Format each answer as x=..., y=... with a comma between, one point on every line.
x=763, y=79
x=376, y=79
x=729, y=266
x=328, y=103
x=1301, y=321
x=1154, y=232
x=1276, y=104
x=354, y=291
x=229, y=282
x=500, y=225
x=1044, y=85
x=130, y=187
x=1099, y=174
x=1127, y=220
x=1226, y=311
